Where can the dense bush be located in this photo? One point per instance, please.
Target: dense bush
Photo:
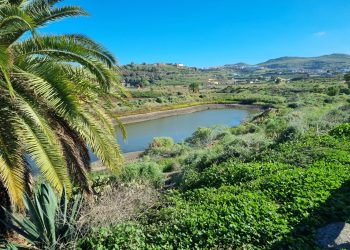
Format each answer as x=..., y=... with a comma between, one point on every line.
x=341, y=131
x=230, y=173
x=144, y=172
x=218, y=219
x=161, y=142
x=102, y=182
x=201, y=136
x=309, y=149
x=122, y=236
x=333, y=91
x=245, y=129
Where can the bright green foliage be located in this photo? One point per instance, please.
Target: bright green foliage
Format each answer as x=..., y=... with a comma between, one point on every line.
x=124, y=236
x=333, y=91
x=161, y=142
x=276, y=201
x=102, y=180
x=341, y=131
x=164, y=146
x=218, y=219
x=347, y=79
x=201, y=136
x=230, y=173
x=309, y=149
x=50, y=222
x=147, y=173
x=55, y=99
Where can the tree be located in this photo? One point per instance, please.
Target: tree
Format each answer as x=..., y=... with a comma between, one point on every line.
x=347, y=79
x=194, y=87
x=278, y=80
x=55, y=99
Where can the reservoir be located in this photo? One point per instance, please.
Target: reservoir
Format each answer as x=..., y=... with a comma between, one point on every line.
x=178, y=127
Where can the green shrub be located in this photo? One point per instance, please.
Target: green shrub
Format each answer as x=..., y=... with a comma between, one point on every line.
x=288, y=134
x=218, y=219
x=341, y=131
x=122, y=236
x=102, y=180
x=161, y=142
x=230, y=173
x=165, y=147
x=204, y=158
x=333, y=91
x=201, y=136
x=275, y=126
x=142, y=172
x=171, y=167
x=245, y=129
x=293, y=105
x=161, y=100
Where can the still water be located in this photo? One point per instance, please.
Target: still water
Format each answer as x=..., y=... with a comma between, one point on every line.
x=178, y=127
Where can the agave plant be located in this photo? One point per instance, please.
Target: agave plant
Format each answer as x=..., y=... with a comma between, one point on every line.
x=51, y=222
x=56, y=96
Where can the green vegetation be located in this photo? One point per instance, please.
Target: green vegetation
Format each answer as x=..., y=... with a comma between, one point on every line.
x=194, y=87
x=269, y=183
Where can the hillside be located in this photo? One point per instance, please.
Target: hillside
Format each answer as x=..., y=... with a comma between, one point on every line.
x=326, y=62
x=141, y=75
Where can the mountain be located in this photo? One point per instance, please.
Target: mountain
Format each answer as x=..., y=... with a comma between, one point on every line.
x=326, y=62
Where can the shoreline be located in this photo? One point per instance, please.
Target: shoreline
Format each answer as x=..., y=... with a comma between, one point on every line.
x=130, y=157
x=128, y=119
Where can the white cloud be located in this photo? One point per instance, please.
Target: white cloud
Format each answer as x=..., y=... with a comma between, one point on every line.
x=320, y=33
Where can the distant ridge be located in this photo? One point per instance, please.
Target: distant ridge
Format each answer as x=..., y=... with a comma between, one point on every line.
x=337, y=62
x=325, y=62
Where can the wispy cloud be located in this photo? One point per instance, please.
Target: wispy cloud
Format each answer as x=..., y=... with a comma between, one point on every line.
x=320, y=33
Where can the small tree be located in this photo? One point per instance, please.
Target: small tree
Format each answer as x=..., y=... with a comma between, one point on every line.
x=194, y=87
x=278, y=80
x=347, y=79
x=333, y=91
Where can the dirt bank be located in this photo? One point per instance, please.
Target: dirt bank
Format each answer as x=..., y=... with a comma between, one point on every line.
x=166, y=113
x=129, y=158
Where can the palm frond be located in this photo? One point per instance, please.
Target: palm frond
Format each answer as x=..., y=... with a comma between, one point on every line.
x=12, y=179
x=47, y=155
x=103, y=144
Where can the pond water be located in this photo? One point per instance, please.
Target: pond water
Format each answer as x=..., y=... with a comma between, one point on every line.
x=179, y=127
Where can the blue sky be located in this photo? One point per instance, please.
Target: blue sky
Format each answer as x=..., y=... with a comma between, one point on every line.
x=210, y=33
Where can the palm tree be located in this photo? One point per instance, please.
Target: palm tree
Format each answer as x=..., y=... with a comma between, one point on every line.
x=56, y=96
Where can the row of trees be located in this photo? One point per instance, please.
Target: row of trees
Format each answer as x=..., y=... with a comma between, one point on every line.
x=55, y=101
